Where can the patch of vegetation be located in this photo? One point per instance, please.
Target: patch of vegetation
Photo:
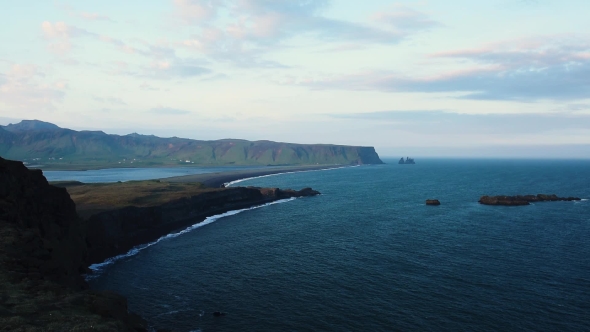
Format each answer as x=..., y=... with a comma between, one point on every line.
x=60, y=148
x=96, y=197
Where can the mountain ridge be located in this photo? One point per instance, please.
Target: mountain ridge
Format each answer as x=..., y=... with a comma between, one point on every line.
x=35, y=140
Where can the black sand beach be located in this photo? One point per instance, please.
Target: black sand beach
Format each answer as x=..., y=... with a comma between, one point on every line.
x=216, y=180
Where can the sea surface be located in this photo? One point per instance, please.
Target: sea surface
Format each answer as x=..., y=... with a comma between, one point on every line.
x=369, y=255
x=134, y=174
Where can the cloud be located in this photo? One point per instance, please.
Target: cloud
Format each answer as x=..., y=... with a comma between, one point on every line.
x=256, y=27
x=168, y=111
x=165, y=69
x=110, y=100
x=450, y=123
x=61, y=30
x=87, y=16
x=551, y=68
x=168, y=69
x=60, y=34
x=21, y=89
x=164, y=62
x=406, y=19
x=196, y=11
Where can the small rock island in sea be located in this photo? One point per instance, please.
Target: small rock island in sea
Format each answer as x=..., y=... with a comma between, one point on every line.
x=523, y=200
x=408, y=161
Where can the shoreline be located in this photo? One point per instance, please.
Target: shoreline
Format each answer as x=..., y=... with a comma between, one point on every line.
x=220, y=179
x=97, y=268
x=95, y=167
x=228, y=184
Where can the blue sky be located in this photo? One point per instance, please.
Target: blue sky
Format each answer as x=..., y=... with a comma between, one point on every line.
x=423, y=78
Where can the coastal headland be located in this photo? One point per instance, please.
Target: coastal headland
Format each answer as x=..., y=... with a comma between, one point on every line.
x=42, y=143
x=51, y=234
x=143, y=211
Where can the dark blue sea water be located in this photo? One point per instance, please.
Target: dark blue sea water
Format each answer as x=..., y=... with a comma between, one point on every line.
x=369, y=255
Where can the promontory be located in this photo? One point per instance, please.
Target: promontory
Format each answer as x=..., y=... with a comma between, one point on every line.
x=48, y=240
x=41, y=143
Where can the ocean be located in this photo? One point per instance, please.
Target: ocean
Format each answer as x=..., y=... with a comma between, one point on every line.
x=369, y=255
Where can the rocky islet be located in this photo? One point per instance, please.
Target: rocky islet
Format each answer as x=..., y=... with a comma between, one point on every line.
x=523, y=199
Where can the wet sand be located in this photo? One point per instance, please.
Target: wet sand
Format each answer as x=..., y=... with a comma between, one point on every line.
x=216, y=180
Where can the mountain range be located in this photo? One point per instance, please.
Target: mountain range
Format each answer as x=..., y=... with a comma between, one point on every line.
x=43, y=142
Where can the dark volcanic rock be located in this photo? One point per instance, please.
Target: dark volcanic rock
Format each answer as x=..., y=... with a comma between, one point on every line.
x=115, y=232
x=432, y=202
x=42, y=255
x=276, y=193
x=45, y=247
x=43, y=235
x=522, y=200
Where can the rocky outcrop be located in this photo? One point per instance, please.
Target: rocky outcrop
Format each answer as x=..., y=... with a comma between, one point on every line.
x=115, y=232
x=45, y=247
x=408, y=161
x=42, y=235
x=432, y=202
x=522, y=200
x=42, y=255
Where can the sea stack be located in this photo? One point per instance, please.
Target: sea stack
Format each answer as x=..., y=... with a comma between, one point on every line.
x=408, y=161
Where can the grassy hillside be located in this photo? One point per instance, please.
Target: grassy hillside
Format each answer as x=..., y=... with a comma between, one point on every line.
x=47, y=144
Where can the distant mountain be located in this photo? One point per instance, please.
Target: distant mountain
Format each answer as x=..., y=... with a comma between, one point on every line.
x=26, y=125
x=48, y=143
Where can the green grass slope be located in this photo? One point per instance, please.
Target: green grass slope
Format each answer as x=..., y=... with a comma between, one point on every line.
x=46, y=144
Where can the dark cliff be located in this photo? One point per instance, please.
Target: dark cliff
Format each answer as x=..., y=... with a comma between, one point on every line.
x=115, y=232
x=42, y=255
x=42, y=235
x=45, y=247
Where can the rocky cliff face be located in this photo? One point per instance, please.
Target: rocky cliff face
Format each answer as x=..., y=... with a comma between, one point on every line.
x=42, y=235
x=42, y=255
x=45, y=247
x=115, y=232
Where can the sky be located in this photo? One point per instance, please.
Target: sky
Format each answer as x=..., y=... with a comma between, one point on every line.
x=452, y=78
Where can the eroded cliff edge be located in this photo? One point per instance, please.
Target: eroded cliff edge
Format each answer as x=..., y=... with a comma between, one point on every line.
x=43, y=252
x=116, y=231
x=45, y=245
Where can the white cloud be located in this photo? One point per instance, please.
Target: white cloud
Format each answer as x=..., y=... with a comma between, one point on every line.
x=196, y=11
x=548, y=68
x=406, y=19
x=258, y=26
x=21, y=89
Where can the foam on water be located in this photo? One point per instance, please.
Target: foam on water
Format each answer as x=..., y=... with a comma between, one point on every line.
x=97, y=268
x=227, y=184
